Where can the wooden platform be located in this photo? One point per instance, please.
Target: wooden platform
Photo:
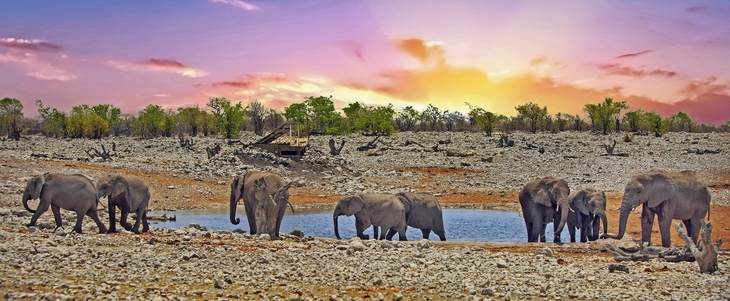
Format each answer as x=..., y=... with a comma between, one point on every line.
x=286, y=141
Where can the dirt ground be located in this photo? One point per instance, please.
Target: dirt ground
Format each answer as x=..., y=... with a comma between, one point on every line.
x=181, y=192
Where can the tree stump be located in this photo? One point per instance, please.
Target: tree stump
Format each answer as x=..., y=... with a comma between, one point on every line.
x=707, y=257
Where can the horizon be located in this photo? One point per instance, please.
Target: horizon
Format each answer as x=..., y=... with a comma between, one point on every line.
x=665, y=57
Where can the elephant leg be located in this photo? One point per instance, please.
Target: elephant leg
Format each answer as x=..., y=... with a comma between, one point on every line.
x=250, y=216
x=541, y=234
x=360, y=226
x=401, y=231
x=391, y=233
x=571, y=231
x=95, y=216
x=375, y=231
x=664, y=226
x=426, y=233
x=528, y=225
x=79, y=220
x=584, y=233
x=441, y=234
x=145, y=223
x=57, y=215
x=112, y=217
x=123, y=219
x=647, y=220
x=42, y=208
x=595, y=229
x=137, y=221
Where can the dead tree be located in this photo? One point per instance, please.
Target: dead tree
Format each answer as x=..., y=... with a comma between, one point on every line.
x=409, y=142
x=213, y=151
x=186, y=143
x=34, y=155
x=445, y=141
x=333, y=148
x=610, y=148
x=707, y=258
x=505, y=142
x=370, y=145
x=104, y=154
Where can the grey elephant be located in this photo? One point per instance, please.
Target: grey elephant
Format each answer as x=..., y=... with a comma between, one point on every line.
x=676, y=195
x=377, y=209
x=543, y=201
x=266, y=208
x=423, y=211
x=587, y=210
x=242, y=187
x=129, y=193
x=73, y=192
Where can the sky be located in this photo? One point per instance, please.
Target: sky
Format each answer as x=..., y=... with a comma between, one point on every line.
x=667, y=56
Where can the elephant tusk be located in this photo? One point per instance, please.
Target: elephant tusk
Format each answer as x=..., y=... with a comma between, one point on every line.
x=571, y=210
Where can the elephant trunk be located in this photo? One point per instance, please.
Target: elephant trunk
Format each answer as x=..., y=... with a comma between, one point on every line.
x=334, y=219
x=623, y=218
x=234, y=202
x=564, y=208
x=26, y=197
x=604, y=219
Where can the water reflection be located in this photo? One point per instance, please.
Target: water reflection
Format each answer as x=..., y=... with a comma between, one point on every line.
x=461, y=224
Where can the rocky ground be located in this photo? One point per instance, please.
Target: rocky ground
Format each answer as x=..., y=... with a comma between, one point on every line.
x=469, y=171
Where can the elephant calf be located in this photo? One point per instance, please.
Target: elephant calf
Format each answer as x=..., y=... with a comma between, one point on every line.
x=587, y=210
x=71, y=192
x=423, y=211
x=377, y=209
x=543, y=201
x=131, y=194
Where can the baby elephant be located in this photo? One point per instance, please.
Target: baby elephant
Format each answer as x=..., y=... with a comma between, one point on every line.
x=71, y=192
x=377, y=209
x=587, y=209
x=131, y=194
x=423, y=211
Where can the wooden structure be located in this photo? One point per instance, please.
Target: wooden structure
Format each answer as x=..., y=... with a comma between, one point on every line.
x=286, y=141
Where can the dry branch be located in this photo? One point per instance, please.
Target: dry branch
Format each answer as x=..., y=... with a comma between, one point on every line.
x=213, y=151
x=104, y=154
x=333, y=148
x=707, y=257
x=370, y=145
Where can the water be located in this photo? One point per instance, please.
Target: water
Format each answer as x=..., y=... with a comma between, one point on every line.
x=460, y=224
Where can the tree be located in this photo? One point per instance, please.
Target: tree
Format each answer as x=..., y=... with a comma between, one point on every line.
x=297, y=112
x=256, y=113
x=149, y=121
x=53, y=121
x=108, y=113
x=11, y=117
x=431, y=116
x=273, y=119
x=376, y=120
x=169, y=121
x=682, y=121
x=190, y=119
x=532, y=114
x=233, y=118
x=407, y=118
x=634, y=120
x=655, y=123
x=604, y=113
x=94, y=127
x=487, y=121
x=323, y=116
x=561, y=120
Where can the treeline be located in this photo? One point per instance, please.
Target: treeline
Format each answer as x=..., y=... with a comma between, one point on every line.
x=222, y=118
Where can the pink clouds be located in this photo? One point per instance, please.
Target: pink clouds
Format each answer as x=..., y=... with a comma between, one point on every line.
x=32, y=45
x=632, y=55
x=705, y=108
x=160, y=65
x=616, y=69
x=708, y=86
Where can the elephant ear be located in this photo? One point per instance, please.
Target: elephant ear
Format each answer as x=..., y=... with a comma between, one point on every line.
x=353, y=204
x=660, y=189
x=120, y=186
x=282, y=193
x=406, y=204
x=579, y=202
x=237, y=188
x=541, y=196
x=37, y=186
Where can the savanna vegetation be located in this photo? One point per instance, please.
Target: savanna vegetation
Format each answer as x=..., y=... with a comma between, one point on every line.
x=223, y=118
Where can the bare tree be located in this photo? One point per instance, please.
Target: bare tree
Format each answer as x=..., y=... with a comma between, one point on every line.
x=256, y=113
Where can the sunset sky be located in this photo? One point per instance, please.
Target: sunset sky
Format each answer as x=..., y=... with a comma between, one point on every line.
x=667, y=56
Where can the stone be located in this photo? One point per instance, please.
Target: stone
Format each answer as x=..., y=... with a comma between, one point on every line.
x=424, y=244
x=547, y=252
x=297, y=232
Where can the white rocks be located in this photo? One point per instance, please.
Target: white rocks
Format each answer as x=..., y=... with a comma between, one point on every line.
x=424, y=244
x=547, y=252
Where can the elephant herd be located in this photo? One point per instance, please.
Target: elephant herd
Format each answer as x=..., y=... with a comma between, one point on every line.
x=666, y=195
x=265, y=196
x=79, y=193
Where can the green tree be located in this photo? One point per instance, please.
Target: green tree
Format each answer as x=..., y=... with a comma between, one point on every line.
x=376, y=120
x=168, y=123
x=561, y=121
x=323, y=116
x=727, y=126
x=149, y=121
x=681, y=121
x=634, y=119
x=94, y=126
x=297, y=112
x=76, y=120
x=11, y=117
x=205, y=122
x=532, y=114
x=188, y=117
x=604, y=113
x=655, y=123
x=353, y=112
x=233, y=118
x=408, y=118
x=273, y=119
x=108, y=113
x=487, y=121
x=53, y=121
x=431, y=116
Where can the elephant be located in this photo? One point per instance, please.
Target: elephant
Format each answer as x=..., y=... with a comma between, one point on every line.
x=423, y=211
x=675, y=195
x=544, y=200
x=377, y=209
x=587, y=210
x=243, y=187
x=74, y=192
x=266, y=208
x=131, y=194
